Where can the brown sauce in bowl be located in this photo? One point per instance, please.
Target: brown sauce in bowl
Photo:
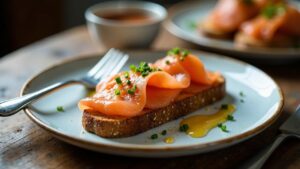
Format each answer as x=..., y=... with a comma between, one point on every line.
x=129, y=16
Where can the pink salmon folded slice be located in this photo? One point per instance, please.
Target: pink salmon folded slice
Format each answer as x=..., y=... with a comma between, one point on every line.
x=156, y=90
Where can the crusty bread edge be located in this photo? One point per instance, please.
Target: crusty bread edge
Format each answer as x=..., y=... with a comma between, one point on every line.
x=114, y=127
x=241, y=40
x=207, y=29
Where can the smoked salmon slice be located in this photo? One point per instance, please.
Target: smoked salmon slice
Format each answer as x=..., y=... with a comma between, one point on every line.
x=148, y=85
x=228, y=15
x=275, y=19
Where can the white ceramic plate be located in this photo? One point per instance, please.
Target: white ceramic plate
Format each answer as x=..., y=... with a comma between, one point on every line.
x=186, y=14
x=262, y=105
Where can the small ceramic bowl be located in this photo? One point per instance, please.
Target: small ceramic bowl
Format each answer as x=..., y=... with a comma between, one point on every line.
x=119, y=33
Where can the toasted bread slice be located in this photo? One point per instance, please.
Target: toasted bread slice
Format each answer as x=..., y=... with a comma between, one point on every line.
x=209, y=30
x=242, y=40
x=117, y=126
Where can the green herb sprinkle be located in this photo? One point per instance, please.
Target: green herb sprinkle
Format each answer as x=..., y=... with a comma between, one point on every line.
x=117, y=92
x=126, y=74
x=184, y=128
x=230, y=118
x=164, y=132
x=154, y=136
x=60, y=109
x=118, y=80
x=224, y=106
x=223, y=127
x=132, y=90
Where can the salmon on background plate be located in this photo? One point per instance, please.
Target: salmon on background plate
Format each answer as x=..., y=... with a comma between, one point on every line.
x=227, y=16
x=278, y=25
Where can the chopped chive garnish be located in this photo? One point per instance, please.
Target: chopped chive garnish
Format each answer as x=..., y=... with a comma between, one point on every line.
x=144, y=74
x=174, y=51
x=143, y=68
x=154, y=136
x=132, y=90
x=118, y=80
x=126, y=74
x=179, y=52
x=272, y=10
x=60, y=109
x=224, y=106
x=129, y=91
x=133, y=68
x=230, y=118
x=192, y=25
x=242, y=94
x=185, y=53
x=223, y=127
x=156, y=69
x=184, y=128
x=167, y=62
x=242, y=100
x=128, y=82
x=164, y=132
x=117, y=92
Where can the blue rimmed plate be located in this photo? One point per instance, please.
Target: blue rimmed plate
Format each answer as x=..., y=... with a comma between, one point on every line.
x=260, y=107
x=185, y=15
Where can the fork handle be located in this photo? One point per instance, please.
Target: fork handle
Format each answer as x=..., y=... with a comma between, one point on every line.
x=12, y=106
x=264, y=155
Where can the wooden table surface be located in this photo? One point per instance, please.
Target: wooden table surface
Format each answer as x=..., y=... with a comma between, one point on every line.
x=25, y=145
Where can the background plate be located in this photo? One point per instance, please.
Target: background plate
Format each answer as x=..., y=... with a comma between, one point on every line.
x=184, y=16
x=262, y=105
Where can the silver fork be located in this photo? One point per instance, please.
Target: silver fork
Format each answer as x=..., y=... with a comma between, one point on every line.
x=111, y=63
x=290, y=128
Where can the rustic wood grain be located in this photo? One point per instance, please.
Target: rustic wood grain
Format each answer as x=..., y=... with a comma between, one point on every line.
x=24, y=145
